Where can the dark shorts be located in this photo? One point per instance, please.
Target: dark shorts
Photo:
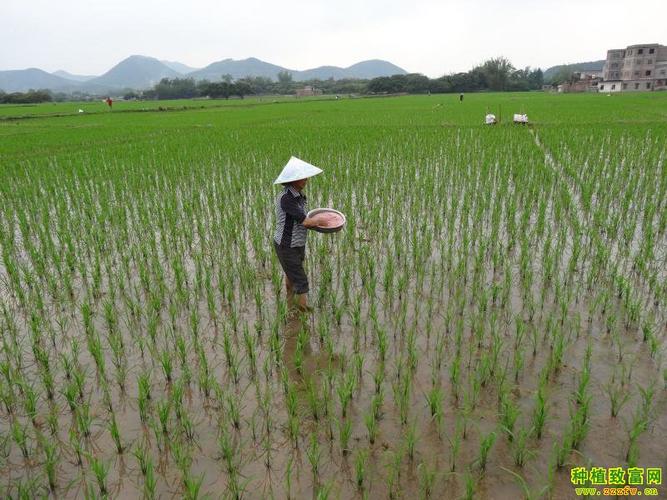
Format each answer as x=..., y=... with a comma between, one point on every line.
x=291, y=260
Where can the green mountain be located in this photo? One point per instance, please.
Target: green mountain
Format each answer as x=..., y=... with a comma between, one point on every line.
x=179, y=67
x=584, y=66
x=255, y=67
x=21, y=80
x=135, y=72
x=69, y=76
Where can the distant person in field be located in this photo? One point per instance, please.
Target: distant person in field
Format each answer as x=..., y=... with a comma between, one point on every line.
x=461, y=97
x=289, y=239
x=109, y=102
x=490, y=119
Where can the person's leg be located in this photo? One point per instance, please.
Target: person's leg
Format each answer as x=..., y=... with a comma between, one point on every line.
x=301, y=283
x=289, y=289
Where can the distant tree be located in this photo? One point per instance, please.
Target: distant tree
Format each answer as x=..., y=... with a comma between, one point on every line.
x=285, y=77
x=227, y=78
x=497, y=72
x=241, y=89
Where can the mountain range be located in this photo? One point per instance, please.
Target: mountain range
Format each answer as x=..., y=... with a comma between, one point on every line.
x=142, y=72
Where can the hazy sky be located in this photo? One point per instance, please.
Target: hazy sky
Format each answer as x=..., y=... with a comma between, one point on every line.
x=425, y=36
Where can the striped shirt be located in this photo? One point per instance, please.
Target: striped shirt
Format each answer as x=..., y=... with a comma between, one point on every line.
x=291, y=209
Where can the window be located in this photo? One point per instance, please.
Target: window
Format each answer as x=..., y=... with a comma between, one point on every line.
x=601, y=87
x=629, y=52
x=640, y=51
x=649, y=61
x=614, y=65
x=636, y=73
x=648, y=72
x=663, y=71
x=651, y=51
x=648, y=85
x=636, y=86
x=613, y=87
x=625, y=86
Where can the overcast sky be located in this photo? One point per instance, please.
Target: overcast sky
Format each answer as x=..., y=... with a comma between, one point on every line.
x=424, y=36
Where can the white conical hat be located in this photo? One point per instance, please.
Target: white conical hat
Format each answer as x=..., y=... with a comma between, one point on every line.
x=297, y=169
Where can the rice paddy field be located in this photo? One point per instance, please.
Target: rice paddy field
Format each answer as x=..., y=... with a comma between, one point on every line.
x=493, y=314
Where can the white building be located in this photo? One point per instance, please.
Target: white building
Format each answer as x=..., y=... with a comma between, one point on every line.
x=635, y=68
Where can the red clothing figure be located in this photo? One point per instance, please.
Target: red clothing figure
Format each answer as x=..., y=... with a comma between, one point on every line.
x=109, y=102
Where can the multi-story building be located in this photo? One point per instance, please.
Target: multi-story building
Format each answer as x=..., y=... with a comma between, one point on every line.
x=635, y=68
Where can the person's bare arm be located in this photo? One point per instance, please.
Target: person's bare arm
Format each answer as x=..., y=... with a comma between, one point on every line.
x=309, y=222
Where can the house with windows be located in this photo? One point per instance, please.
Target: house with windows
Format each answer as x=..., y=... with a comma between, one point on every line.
x=637, y=68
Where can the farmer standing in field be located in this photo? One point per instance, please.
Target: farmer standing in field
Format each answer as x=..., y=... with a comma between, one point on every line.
x=109, y=102
x=291, y=229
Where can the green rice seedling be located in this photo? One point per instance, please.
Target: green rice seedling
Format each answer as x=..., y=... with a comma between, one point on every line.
x=393, y=479
x=167, y=365
x=192, y=486
x=618, y=397
x=410, y=440
x=562, y=450
x=470, y=486
x=371, y=426
x=520, y=450
x=100, y=470
x=288, y=477
x=140, y=452
x=455, y=442
x=314, y=455
x=313, y=400
x=150, y=482
x=84, y=419
x=435, y=398
x=115, y=434
x=528, y=493
x=540, y=411
x=77, y=445
x=647, y=395
x=485, y=446
x=233, y=410
x=508, y=414
x=360, y=467
x=378, y=377
x=579, y=423
x=344, y=434
x=163, y=409
x=51, y=454
x=634, y=430
x=427, y=476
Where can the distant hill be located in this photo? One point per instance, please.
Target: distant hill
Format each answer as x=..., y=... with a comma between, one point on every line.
x=21, y=80
x=179, y=67
x=584, y=66
x=69, y=76
x=365, y=69
x=135, y=72
x=237, y=69
x=255, y=67
x=142, y=72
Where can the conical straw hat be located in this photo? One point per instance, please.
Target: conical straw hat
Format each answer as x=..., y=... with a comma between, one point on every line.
x=297, y=169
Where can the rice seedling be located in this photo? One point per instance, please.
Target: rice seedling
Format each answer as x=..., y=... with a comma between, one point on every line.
x=344, y=434
x=100, y=471
x=485, y=445
x=360, y=468
x=314, y=454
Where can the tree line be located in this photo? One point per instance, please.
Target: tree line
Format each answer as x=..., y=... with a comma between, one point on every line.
x=29, y=97
x=496, y=74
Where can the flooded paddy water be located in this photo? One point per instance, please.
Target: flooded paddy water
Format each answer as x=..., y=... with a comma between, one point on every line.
x=490, y=317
